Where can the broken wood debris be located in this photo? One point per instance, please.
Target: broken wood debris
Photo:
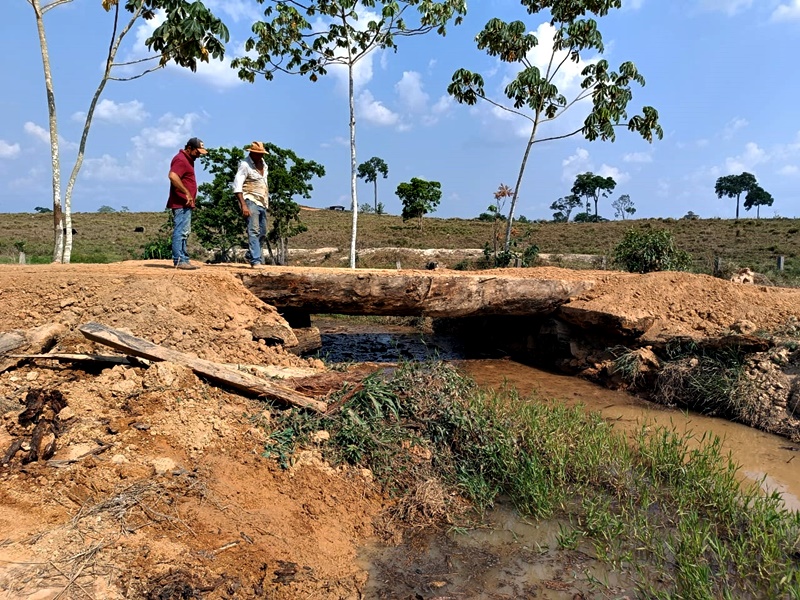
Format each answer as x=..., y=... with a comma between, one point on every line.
x=133, y=346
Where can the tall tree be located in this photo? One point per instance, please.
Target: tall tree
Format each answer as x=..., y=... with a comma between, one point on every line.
x=758, y=197
x=563, y=207
x=189, y=32
x=534, y=88
x=623, y=206
x=419, y=197
x=592, y=187
x=733, y=186
x=369, y=171
x=219, y=222
x=343, y=32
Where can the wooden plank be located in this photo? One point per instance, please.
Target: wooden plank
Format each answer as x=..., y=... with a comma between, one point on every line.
x=11, y=340
x=114, y=359
x=133, y=346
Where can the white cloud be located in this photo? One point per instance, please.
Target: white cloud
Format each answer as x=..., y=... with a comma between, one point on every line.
x=752, y=156
x=237, y=10
x=337, y=141
x=638, y=157
x=8, y=150
x=373, y=111
x=43, y=135
x=150, y=151
x=124, y=112
x=733, y=126
x=577, y=163
x=613, y=172
x=409, y=90
x=729, y=7
x=789, y=170
x=787, y=12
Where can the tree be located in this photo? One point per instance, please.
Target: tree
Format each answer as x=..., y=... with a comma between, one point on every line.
x=369, y=171
x=42, y=209
x=419, y=197
x=106, y=209
x=647, y=251
x=536, y=90
x=336, y=34
x=497, y=217
x=563, y=207
x=758, y=197
x=733, y=186
x=592, y=187
x=188, y=33
x=623, y=206
x=218, y=220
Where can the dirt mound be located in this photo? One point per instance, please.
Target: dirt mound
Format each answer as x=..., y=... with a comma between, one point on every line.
x=157, y=487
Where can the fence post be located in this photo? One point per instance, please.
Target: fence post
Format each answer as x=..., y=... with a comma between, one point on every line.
x=22, y=258
x=397, y=264
x=717, y=266
x=780, y=263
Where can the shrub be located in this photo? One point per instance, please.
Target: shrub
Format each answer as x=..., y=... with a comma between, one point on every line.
x=644, y=252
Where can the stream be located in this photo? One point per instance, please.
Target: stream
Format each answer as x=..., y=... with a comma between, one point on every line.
x=511, y=557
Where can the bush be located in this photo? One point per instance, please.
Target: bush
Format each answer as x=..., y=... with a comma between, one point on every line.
x=647, y=251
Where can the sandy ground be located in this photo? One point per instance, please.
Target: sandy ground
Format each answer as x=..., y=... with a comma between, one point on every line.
x=158, y=487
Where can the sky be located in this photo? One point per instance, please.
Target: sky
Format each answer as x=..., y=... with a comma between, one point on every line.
x=721, y=73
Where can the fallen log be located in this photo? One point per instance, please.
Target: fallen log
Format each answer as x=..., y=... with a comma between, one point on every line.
x=36, y=340
x=128, y=344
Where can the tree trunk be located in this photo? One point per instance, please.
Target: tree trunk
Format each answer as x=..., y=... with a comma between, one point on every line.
x=375, y=184
x=353, y=193
x=58, y=217
x=507, y=244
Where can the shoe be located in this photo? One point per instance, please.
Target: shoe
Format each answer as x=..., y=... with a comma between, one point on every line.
x=256, y=265
x=186, y=266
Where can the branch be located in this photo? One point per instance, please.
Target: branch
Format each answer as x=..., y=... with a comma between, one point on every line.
x=505, y=108
x=142, y=74
x=558, y=137
x=53, y=4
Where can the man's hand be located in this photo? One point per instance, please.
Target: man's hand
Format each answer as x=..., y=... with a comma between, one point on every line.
x=190, y=201
x=245, y=211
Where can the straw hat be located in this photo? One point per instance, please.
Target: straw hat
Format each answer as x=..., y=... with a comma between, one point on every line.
x=257, y=148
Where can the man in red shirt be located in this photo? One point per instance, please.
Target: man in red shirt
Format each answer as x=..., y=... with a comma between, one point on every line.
x=182, y=194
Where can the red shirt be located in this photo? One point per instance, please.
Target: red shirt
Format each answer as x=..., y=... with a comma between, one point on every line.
x=183, y=167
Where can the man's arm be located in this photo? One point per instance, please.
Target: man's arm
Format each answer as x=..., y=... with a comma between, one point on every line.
x=175, y=179
x=238, y=182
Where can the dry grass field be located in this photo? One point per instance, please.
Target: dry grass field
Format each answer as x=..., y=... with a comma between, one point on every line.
x=109, y=237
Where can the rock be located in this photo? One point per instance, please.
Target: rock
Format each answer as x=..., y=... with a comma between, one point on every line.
x=168, y=375
x=163, y=465
x=744, y=326
x=66, y=414
x=273, y=330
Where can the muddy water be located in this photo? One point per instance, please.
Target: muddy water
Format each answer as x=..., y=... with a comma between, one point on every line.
x=761, y=455
x=511, y=557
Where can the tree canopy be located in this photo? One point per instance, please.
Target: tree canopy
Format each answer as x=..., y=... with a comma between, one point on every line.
x=623, y=206
x=733, y=186
x=534, y=95
x=369, y=171
x=563, y=207
x=219, y=222
x=419, y=197
x=593, y=187
x=758, y=197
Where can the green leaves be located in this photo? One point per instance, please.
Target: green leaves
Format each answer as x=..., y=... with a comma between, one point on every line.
x=190, y=32
x=291, y=44
x=419, y=197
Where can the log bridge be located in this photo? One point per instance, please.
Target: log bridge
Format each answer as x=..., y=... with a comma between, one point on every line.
x=409, y=293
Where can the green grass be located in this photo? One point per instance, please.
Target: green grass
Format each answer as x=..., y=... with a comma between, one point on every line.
x=747, y=243
x=662, y=506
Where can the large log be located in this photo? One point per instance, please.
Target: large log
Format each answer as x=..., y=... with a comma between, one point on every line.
x=410, y=293
x=128, y=344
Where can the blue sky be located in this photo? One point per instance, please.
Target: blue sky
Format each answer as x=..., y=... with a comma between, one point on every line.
x=721, y=73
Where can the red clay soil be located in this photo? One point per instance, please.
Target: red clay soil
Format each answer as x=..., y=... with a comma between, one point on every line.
x=158, y=487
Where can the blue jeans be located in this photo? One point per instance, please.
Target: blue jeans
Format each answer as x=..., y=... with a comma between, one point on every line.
x=256, y=232
x=180, y=233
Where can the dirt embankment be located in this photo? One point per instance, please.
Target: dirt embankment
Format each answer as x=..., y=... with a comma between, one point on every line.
x=158, y=487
